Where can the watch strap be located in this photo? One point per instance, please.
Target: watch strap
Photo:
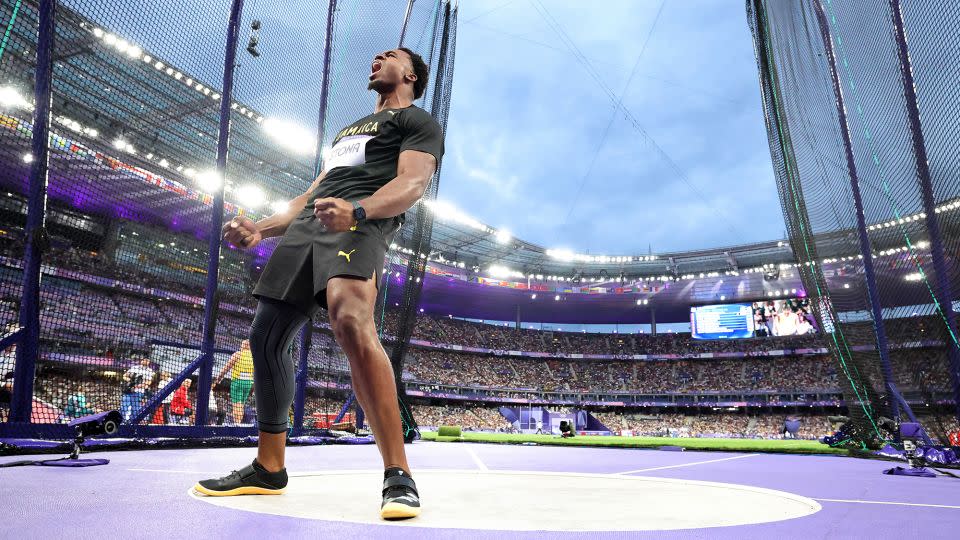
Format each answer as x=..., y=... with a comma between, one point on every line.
x=359, y=213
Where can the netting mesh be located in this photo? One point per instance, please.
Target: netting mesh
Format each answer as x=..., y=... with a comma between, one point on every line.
x=17, y=56
x=136, y=113
x=422, y=230
x=850, y=176
x=273, y=147
x=358, y=37
x=126, y=261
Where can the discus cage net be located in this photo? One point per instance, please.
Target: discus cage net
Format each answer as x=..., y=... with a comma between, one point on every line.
x=861, y=108
x=164, y=121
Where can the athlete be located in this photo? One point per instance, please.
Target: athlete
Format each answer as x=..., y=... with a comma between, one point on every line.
x=240, y=367
x=334, y=240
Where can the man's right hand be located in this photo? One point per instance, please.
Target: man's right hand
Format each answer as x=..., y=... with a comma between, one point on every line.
x=242, y=232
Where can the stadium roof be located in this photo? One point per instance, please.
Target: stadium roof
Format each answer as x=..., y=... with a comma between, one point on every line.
x=110, y=92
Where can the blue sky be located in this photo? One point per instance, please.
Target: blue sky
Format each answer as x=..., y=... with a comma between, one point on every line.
x=527, y=119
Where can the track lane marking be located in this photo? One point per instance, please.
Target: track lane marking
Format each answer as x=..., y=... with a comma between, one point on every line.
x=476, y=459
x=888, y=502
x=175, y=471
x=686, y=464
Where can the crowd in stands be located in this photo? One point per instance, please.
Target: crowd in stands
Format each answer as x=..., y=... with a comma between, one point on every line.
x=117, y=324
x=105, y=312
x=92, y=322
x=96, y=313
x=779, y=374
x=470, y=418
x=61, y=397
x=501, y=338
x=764, y=426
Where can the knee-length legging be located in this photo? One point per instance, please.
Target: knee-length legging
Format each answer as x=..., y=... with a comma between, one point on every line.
x=275, y=325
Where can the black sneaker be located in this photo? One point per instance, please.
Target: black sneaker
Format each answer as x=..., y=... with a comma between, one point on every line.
x=400, y=497
x=250, y=480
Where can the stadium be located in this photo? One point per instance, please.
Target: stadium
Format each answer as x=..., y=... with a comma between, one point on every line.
x=800, y=386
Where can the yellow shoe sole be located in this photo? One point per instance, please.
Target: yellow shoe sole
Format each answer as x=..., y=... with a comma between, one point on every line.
x=249, y=490
x=399, y=511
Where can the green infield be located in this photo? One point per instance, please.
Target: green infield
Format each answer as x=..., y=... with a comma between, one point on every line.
x=705, y=444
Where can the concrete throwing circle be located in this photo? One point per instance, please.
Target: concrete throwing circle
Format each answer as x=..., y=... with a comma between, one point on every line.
x=526, y=501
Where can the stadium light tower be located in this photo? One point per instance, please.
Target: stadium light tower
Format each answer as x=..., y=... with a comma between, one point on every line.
x=250, y=196
x=10, y=98
x=290, y=135
x=209, y=181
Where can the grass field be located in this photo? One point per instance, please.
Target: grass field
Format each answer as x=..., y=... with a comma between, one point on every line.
x=729, y=445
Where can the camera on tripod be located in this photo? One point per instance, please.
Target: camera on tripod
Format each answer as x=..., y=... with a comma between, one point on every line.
x=105, y=423
x=912, y=435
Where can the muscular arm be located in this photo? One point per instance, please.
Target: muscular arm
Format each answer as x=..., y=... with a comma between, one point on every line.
x=414, y=170
x=277, y=224
x=230, y=363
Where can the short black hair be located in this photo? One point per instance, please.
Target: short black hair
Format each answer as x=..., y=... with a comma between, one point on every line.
x=421, y=70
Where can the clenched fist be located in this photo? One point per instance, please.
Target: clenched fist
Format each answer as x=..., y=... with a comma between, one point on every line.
x=242, y=232
x=336, y=215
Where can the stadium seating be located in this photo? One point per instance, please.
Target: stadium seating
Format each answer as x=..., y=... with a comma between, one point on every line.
x=81, y=318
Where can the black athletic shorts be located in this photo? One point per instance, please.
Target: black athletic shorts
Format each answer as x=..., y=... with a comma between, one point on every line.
x=308, y=256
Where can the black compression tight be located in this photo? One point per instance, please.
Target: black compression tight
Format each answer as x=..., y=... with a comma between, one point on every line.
x=274, y=327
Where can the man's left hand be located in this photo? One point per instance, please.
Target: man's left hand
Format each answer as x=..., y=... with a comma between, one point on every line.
x=336, y=215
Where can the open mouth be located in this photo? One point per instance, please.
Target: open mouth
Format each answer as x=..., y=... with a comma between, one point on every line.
x=375, y=67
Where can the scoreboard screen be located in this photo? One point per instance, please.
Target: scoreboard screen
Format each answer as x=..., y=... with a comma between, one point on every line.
x=722, y=321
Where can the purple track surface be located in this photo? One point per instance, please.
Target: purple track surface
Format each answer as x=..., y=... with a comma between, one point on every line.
x=143, y=494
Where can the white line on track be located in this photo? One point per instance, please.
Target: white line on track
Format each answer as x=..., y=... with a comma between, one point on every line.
x=889, y=502
x=476, y=459
x=688, y=464
x=175, y=471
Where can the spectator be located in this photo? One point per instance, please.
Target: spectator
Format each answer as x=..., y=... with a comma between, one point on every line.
x=180, y=408
x=8, y=362
x=136, y=381
x=214, y=413
x=77, y=406
x=165, y=379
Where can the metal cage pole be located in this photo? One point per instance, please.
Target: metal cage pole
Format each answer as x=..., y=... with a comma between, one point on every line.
x=211, y=296
x=300, y=396
x=21, y=402
x=868, y=269
x=406, y=21
x=306, y=334
x=433, y=42
x=324, y=88
x=943, y=293
x=415, y=265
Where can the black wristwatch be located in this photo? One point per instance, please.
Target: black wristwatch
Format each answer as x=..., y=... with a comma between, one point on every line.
x=359, y=213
